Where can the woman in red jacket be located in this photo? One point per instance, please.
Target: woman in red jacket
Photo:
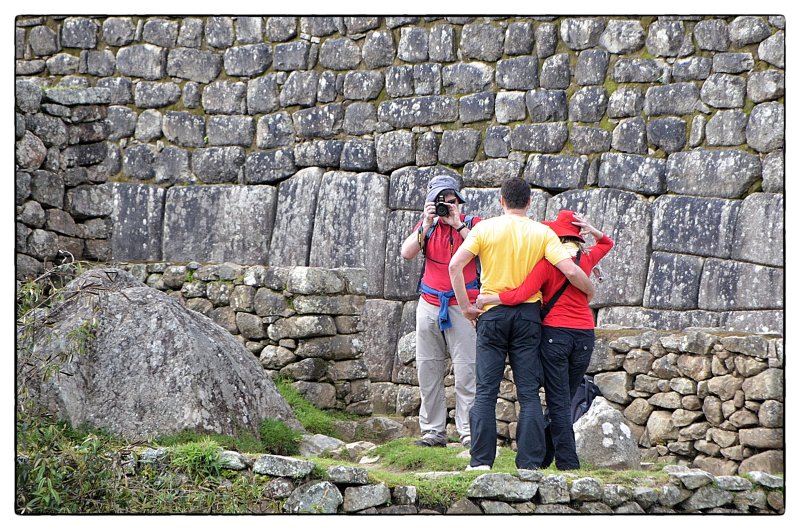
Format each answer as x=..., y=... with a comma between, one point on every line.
x=567, y=328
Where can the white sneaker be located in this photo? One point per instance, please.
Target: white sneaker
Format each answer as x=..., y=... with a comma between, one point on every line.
x=478, y=468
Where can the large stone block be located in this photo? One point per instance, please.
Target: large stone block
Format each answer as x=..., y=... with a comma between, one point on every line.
x=426, y=110
x=491, y=173
x=249, y=60
x=626, y=218
x=408, y=186
x=723, y=173
x=225, y=97
x=588, y=104
x=556, y=72
x=219, y=223
x=676, y=98
x=381, y=321
x=734, y=285
x=459, y=147
x=765, y=128
x=539, y=138
x=378, y=49
x=394, y=149
x=485, y=203
x=401, y=277
x=759, y=232
x=362, y=244
x=482, y=41
x=753, y=321
x=137, y=217
x=556, y=171
x=88, y=201
x=339, y=54
x=622, y=36
x=323, y=153
x=694, y=225
x=214, y=165
x=636, y=173
x=581, y=33
x=230, y=130
x=319, y=122
x=546, y=105
x=673, y=281
x=639, y=70
x=184, y=129
x=142, y=60
x=269, y=166
x=294, y=219
x=466, y=78
x=199, y=66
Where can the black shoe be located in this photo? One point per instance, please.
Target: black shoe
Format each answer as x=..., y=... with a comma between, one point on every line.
x=430, y=442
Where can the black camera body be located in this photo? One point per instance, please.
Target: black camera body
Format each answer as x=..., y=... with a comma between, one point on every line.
x=442, y=208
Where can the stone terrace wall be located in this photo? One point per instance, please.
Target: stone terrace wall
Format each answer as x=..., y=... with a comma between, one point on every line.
x=707, y=399
x=307, y=141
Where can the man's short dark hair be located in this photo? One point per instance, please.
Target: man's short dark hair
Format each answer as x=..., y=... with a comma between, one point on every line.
x=516, y=193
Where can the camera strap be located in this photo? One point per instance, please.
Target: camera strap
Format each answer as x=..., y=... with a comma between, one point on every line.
x=468, y=220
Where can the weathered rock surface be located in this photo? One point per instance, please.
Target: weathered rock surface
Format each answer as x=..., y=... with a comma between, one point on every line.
x=172, y=370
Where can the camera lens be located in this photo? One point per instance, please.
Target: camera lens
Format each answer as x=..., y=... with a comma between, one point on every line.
x=442, y=210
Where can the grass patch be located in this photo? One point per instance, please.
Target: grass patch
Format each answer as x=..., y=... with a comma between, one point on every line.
x=278, y=438
x=310, y=417
x=198, y=458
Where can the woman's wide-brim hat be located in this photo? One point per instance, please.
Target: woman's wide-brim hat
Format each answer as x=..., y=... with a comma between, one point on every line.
x=563, y=226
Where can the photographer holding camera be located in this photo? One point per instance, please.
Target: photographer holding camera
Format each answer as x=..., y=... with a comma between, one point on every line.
x=440, y=326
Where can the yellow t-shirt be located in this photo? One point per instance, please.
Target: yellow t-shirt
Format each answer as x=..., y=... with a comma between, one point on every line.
x=509, y=246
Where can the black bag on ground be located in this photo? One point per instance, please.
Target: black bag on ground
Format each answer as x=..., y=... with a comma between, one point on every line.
x=583, y=398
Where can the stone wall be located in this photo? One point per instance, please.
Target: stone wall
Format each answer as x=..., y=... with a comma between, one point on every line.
x=302, y=323
x=307, y=141
x=346, y=489
x=710, y=399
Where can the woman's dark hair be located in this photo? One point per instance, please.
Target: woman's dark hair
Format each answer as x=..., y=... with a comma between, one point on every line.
x=516, y=193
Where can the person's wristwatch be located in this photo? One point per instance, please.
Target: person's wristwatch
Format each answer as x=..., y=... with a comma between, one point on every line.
x=462, y=227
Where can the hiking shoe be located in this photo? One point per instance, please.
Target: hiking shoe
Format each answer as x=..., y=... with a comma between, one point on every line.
x=478, y=468
x=430, y=442
x=467, y=442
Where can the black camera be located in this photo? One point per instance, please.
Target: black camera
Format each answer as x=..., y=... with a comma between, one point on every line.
x=442, y=208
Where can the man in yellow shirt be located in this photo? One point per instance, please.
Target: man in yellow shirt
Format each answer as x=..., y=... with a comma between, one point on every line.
x=509, y=246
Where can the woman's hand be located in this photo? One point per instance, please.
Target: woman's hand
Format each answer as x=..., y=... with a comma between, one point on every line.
x=586, y=227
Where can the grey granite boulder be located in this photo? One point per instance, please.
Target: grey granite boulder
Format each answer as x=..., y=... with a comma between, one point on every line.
x=712, y=35
x=247, y=61
x=502, y=486
x=465, y=78
x=224, y=97
x=727, y=128
x=675, y=98
x=724, y=91
x=319, y=497
x=482, y=41
x=175, y=354
x=603, y=439
x=546, y=105
x=381, y=320
x=665, y=38
x=539, y=137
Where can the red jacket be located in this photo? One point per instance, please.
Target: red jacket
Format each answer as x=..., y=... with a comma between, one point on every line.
x=571, y=310
x=437, y=258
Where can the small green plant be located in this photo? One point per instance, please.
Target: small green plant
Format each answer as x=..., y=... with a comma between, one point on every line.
x=278, y=438
x=198, y=458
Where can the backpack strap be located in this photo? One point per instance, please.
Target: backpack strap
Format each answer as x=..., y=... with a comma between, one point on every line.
x=546, y=309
